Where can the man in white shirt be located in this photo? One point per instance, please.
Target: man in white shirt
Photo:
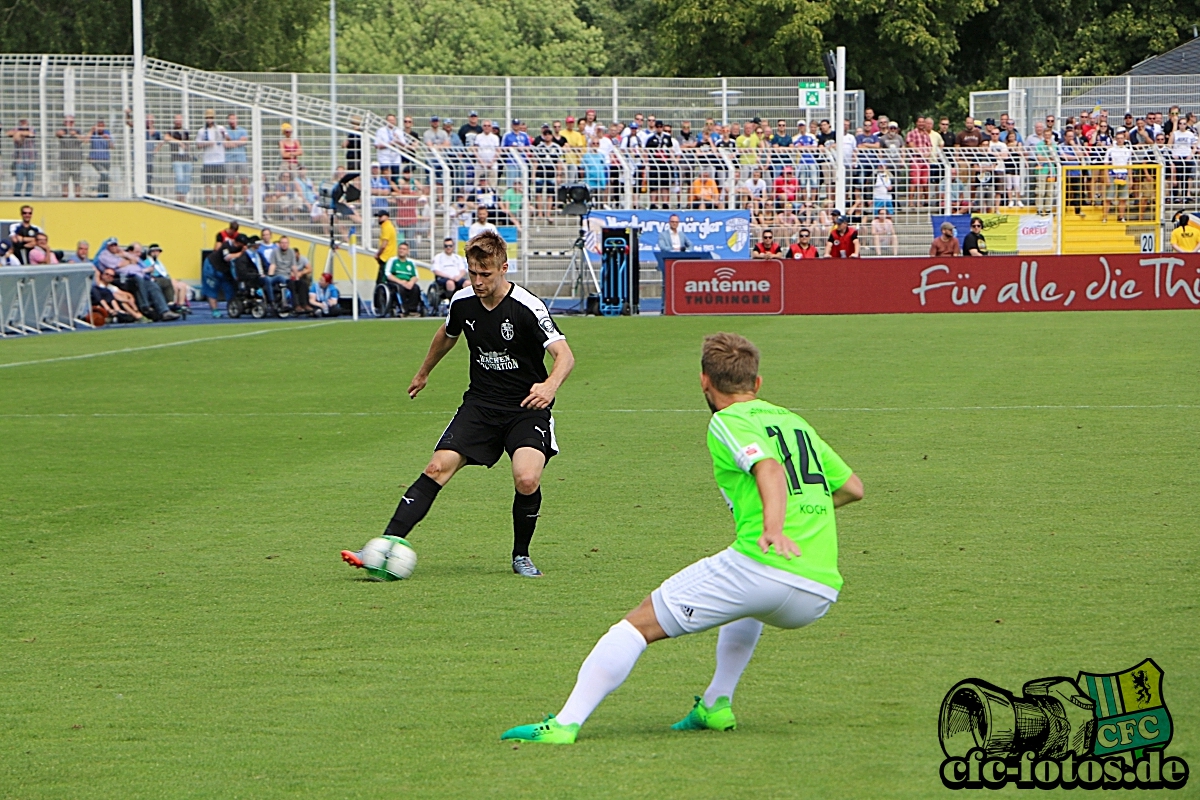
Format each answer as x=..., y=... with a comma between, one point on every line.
x=211, y=141
x=487, y=145
x=385, y=140
x=449, y=269
x=481, y=223
x=1119, y=156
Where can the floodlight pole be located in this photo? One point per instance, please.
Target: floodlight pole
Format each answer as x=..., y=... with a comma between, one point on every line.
x=839, y=115
x=139, y=105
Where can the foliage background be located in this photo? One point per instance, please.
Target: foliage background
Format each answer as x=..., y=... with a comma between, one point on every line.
x=911, y=56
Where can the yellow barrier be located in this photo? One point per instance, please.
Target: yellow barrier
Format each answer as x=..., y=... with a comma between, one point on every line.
x=181, y=234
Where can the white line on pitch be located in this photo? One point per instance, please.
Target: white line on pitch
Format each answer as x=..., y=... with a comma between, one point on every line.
x=448, y=411
x=163, y=344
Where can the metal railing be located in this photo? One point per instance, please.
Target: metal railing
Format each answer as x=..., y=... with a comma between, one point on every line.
x=1029, y=100
x=542, y=99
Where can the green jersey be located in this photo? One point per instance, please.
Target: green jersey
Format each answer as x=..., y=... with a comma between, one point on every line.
x=401, y=268
x=745, y=433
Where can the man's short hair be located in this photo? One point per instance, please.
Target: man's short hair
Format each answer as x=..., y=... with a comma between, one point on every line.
x=730, y=362
x=487, y=249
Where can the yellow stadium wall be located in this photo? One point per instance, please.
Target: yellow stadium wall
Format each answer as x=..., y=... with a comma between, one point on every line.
x=182, y=234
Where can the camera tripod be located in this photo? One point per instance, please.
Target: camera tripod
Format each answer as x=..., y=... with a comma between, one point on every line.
x=575, y=274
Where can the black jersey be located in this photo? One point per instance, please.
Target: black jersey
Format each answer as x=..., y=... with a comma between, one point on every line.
x=508, y=344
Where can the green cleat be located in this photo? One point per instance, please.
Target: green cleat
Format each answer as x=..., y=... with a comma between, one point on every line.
x=702, y=718
x=548, y=731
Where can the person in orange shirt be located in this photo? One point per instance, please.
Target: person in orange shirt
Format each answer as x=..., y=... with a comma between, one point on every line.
x=705, y=193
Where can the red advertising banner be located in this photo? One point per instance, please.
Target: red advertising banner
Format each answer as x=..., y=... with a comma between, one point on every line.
x=919, y=285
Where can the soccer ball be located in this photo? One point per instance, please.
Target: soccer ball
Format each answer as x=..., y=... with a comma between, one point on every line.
x=389, y=558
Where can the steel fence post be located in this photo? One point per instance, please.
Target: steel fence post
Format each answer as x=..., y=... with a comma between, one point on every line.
x=43, y=133
x=256, y=164
x=616, y=104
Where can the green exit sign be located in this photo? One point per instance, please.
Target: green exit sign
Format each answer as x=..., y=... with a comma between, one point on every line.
x=813, y=93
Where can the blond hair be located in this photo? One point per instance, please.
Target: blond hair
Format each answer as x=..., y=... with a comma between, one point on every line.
x=730, y=362
x=487, y=249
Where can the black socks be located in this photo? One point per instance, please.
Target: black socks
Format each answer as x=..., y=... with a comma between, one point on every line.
x=525, y=516
x=414, y=505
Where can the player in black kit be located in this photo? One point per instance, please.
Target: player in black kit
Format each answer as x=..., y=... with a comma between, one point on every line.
x=507, y=406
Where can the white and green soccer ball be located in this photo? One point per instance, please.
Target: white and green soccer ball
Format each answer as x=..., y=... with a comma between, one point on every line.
x=389, y=558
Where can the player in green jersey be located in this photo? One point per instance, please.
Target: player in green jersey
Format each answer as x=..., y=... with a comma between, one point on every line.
x=782, y=483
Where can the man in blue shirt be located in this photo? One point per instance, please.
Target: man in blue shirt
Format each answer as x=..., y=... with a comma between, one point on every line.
x=516, y=137
x=237, y=140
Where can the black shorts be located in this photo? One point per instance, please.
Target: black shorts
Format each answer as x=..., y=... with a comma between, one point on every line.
x=481, y=434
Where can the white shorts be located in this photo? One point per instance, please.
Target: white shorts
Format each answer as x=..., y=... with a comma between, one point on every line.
x=729, y=586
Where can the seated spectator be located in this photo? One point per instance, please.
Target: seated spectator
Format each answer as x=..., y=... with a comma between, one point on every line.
x=177, y=293
x=113, y=301
x=704, y=194
x=41, y=252
x=80, y=256
x=401, y=273
x=323, y=297
x=883, y=234
x=7, y=259
x=973, y=243
x=512, y=201
x=946, y=244
x=803, y=246
x=673, y=240
x=295, y=268
x=767, y=247
x=449, y=269
x=22, y=235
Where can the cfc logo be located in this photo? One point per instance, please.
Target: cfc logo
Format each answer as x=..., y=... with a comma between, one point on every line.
x=1097, y=731
x=506, y=330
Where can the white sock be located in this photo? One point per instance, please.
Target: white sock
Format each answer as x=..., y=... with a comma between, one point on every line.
x=735, y=645
x=605, y=668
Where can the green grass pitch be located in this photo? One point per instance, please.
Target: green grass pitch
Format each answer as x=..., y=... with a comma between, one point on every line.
x=175, y=621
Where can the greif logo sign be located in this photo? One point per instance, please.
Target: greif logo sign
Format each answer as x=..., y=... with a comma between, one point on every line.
x=1099, y=731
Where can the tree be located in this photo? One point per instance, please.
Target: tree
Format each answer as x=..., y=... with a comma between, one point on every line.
x=207, y=34
x=462, y=37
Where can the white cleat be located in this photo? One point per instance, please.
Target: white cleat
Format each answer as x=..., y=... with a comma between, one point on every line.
x=523, y=566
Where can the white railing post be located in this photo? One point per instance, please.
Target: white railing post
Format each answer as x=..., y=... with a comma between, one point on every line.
x=126, y=138
x=525, y=185
x=1128, y=93
x=183, y=91
x=616, y=102
x=256, y=164
x=508, y=112
x=731, y=173
x=724, y=101
x=43, y=134
x=1058, y=101
x=139, y=105
x=400, y=98
x=296, y=104
x=839, y=120
x=947, y=171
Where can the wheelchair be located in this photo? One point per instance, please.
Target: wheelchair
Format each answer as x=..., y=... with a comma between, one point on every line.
x=437, y=298
x=248, y=298
x=387, y=301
